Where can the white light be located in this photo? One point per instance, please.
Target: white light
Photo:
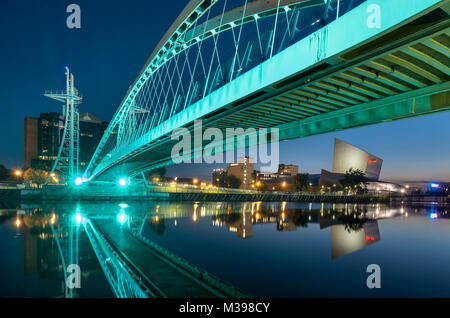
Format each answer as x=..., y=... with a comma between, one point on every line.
x=78, y=181
x=123, y=182
x=78, y=218
x=123, y=205
x=122, y=218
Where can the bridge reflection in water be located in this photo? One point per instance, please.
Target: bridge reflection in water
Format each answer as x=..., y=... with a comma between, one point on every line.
x=134, y=266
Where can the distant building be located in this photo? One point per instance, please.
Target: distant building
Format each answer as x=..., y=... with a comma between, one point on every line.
x=50, y=132
x=30, y=140
x=287, y=170
x=244, y=170
x=280, y=180
x=91, y=131
x=284, y=172
x=218, y=176
x=43, y=136
x=348, y=157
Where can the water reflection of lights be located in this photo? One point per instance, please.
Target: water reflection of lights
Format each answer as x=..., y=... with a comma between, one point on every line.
x=53, y=219
x=433, y=215
x=122, y=218
x=194, y=216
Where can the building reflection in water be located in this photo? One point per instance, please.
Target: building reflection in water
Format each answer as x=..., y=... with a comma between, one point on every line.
x=40, y=251
x=45, y=229
x=351, y=228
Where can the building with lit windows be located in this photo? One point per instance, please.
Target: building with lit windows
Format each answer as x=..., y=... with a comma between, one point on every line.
x=287, y=170
x=43, y=136
x=244, y=170
x=50, y=129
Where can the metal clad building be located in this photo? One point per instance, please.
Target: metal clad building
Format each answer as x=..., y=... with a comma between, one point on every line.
x=348, y=157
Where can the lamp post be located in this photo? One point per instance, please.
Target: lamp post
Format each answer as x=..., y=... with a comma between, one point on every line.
x=18, y=174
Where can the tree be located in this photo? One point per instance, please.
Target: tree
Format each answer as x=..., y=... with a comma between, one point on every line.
x=354, y=180
x=35, y=176
x=5, y=174
x=220, y=179
x=300, y=182
x=158, y=173
x=233, y=182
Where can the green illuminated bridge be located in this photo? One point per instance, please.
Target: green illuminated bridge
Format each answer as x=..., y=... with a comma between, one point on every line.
x=306, y=67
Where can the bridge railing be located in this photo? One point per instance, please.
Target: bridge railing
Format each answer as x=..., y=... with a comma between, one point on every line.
x=124, y=283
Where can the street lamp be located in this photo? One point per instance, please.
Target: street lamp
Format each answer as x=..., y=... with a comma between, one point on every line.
x=18, y=173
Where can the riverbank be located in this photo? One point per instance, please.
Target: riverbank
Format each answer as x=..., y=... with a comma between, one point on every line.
x=142, y=193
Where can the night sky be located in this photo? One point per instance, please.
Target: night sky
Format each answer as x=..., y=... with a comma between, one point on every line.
x=113, y=44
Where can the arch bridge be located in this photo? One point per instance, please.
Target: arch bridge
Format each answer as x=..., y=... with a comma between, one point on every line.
x=305, y=67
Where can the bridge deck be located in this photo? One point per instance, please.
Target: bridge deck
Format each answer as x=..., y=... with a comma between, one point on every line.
x=173, y=280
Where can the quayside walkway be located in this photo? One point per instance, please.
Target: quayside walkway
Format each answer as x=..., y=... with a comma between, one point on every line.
x=163, y=273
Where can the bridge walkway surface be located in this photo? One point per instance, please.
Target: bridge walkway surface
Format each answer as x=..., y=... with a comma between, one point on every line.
x=165, y=274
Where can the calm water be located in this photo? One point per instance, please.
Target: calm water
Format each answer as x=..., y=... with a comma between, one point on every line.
x=266, y=249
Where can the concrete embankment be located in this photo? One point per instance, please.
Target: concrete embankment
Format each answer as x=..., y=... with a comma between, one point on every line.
x=91, y=193
x=108, y=193
x=9, y=194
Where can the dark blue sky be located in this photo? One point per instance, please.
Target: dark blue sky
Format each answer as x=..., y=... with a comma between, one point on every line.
x=107, y=53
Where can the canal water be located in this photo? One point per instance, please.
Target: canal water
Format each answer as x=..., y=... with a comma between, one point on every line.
x=266, y=249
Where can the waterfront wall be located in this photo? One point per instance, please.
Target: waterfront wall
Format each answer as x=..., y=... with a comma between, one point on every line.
x=9, y=194
x=107, y=193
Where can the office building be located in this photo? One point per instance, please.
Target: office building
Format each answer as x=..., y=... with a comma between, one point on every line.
x=43, y=136
x=244, y=171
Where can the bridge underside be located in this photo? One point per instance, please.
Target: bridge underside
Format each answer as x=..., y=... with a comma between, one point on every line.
x=400, y=73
